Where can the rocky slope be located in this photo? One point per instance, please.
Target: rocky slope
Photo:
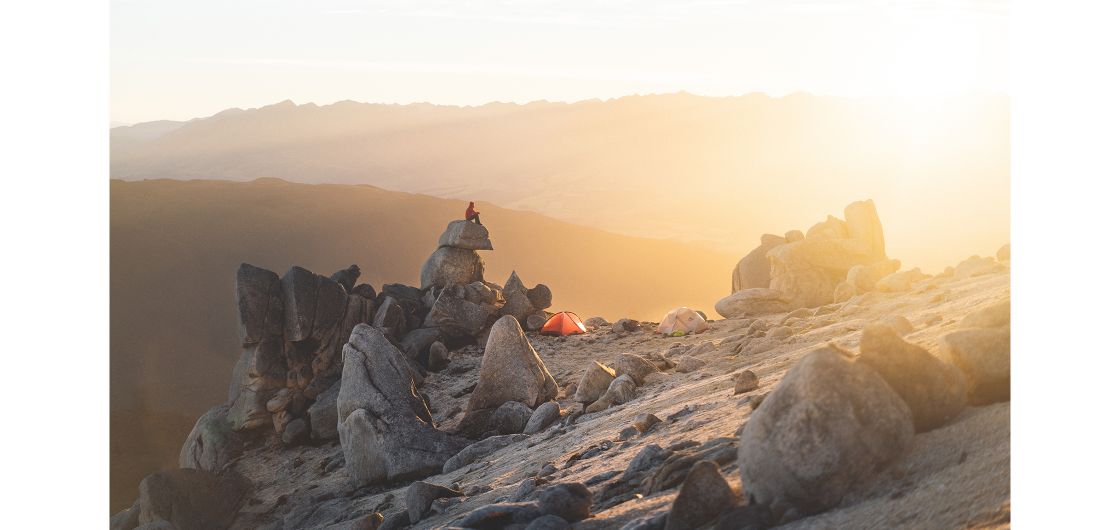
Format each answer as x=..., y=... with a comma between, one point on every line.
x=889, y=408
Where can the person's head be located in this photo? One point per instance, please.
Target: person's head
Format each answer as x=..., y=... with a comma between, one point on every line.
x=472, y=204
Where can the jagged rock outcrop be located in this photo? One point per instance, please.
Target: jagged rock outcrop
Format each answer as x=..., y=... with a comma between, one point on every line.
x=347, y=277
x=384, y=426
x=829, y=426
x=259, y=309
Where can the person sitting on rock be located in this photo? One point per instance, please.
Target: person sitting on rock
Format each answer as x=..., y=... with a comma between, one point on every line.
x=472, y=215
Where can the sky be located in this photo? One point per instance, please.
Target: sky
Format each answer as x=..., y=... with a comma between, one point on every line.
x=181, y=60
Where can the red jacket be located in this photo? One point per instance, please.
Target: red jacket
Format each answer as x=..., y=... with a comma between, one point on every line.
x=470, y=211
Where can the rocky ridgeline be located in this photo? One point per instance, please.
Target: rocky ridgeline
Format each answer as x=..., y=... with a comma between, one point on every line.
x=833, y=421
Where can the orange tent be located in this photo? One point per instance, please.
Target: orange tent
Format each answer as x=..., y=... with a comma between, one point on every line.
x=563, y=323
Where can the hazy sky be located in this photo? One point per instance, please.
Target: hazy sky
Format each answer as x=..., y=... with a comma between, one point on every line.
x=185, y=59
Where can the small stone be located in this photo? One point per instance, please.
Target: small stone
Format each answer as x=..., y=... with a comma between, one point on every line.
x=628, y=433
x=745, y=381
x=546, y=414
x=704, y=494
x=524, y=490
x=626, y=325
x=570, y=500
x=646, y=422
x=419, y=497
x=438, y=357
x=620, y=391
x=510, y=418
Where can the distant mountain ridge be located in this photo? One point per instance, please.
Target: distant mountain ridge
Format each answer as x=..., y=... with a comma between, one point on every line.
x=692, y=168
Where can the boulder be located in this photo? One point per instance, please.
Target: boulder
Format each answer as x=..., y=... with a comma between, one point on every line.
x=191, y=499
x=510, y=418
x=548, y=522
x=259, y=307
x=569, y=500
x=535, y=321
x=862, y=220
x=438, y=356
x=300, y=292
x=828, y=426
x=1004, y=253
x=864, y=277
x=390, y=317
x=794, y=236
x=688, y=364
x=626, y=325
x=466, y=235
x=596, y=322
x=900, y=324
x=259, y=373
x=419, y=496
x=752, y=301
x=480, y=293
x=596, y=378
x=295, y=432
x=455, y=317
x=843, y=292
x=933, y=390
x=545, y=415
x=347, y=277
x=634, y=366
x=977, y=266
x=984, y=356
x=995, y=315
x=806, y=272
x=621, y=390
x=517, y=305
x=511, y=370
x=450, y=266
x=899, y=282
x=417, y=344
x=366, y=291
x=753, y=271
x=745, y=381
x=704, y=494
x=323, y=414
x=540, y=296
x=830, y=228
x=212, y=443
x=500, y=515
x=473, y=452
x=385, y=427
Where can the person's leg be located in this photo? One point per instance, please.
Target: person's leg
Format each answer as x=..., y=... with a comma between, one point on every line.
x=474, y=218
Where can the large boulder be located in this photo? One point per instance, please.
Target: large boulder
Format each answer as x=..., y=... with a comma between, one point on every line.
x=704, y=494
x=933, y=390
x=212, y=443
x=385, y=427
x=455, y=317
x=864, y=277
x=540, y=296
x=259, y=308
x=830, y=425
x=995, y=315
x=450, y=266
x=300, y=291
x=466, y=235
x=830, y=228
x=806, y=272
x=511, y=370
x=752, y=301
x=754, y=269
x=191, y=499
x=594, y=383
x=984, y=355
x=323, y=414
x=258, y=374
x=862, y=221
x=634, y=366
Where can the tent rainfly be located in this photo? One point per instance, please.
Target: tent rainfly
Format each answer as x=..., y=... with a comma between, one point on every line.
x=682, y=321
x=563, y=324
